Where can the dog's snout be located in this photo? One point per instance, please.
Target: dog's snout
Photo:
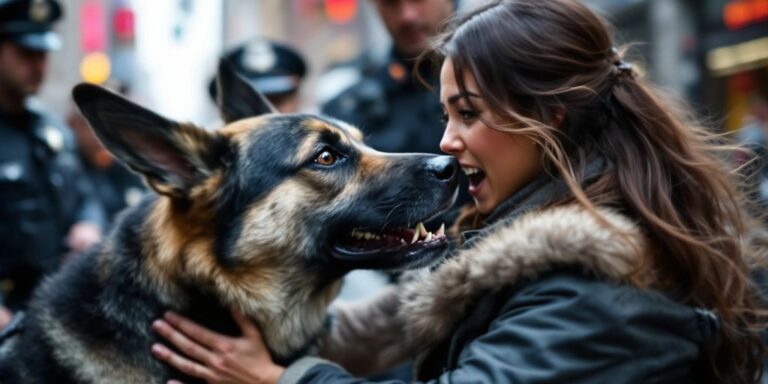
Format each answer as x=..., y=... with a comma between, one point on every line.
x=444, y=168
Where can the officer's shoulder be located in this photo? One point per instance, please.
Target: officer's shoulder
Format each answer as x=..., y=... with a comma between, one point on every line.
x=359, y=94
x=43, y=112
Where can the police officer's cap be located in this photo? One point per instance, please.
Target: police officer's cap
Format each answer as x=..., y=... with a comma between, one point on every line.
x=29, y=23
x=270, y=67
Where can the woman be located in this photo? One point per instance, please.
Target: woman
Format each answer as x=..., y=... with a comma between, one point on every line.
x=606, y=243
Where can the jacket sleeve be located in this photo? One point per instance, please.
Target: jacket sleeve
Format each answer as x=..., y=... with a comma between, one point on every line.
x=569, y=330
x=365, y=337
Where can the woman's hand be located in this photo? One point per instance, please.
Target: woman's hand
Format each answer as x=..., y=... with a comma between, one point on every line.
x=5, y=316
x=214, y=357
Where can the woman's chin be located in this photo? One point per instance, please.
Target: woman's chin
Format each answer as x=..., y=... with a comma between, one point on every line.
x=484, y=206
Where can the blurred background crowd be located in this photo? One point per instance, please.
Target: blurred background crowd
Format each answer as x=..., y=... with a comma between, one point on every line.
x=713, y=52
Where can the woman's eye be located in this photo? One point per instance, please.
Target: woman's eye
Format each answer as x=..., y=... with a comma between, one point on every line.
x=444, y=118
x=325, y=158
x=467, y=114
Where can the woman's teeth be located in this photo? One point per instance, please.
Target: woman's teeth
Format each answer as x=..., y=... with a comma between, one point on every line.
x=470, y=171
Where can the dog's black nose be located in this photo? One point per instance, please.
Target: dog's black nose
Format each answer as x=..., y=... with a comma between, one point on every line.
x=443, y=167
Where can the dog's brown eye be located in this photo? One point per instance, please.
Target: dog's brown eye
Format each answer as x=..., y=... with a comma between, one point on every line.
x=325, y=158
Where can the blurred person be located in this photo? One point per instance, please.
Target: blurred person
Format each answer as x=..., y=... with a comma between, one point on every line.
x=113, y=183
x=607, y=242
x=276, y=70
x=47, y=208
x=393, y=109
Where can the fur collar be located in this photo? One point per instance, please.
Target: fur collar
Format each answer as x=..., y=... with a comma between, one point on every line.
x=433, y=303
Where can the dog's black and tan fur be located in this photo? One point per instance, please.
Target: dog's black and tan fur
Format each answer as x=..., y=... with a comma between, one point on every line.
x=264, y=215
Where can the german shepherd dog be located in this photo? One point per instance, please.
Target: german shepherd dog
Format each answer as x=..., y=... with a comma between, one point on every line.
x=264, y=215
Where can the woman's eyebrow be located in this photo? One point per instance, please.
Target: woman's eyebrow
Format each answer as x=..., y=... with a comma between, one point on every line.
x=461, y=95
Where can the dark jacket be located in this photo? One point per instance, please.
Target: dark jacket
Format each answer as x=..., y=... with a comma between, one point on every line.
x=541, y=298
x=43, y=192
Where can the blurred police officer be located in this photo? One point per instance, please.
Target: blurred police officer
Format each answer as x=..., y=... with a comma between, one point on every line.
x=394, y=110
x=275, y=69
x=46, y=210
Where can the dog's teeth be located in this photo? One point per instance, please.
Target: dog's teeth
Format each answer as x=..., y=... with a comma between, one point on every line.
x=415, y=235
x=441, y=232
x=422, y=231
x=429, y=236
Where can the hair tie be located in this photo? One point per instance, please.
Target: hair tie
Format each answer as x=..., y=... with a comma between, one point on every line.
x=621, y=67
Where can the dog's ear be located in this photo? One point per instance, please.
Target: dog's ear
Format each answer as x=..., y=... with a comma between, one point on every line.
x=172, y=156
x=236, y=98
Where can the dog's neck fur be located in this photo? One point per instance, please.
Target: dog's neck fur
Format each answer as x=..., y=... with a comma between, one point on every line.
x=179, y=271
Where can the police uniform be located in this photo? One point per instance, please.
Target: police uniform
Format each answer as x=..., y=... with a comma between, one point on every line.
x=42, y=188
x=28, y=23
x=272, y=68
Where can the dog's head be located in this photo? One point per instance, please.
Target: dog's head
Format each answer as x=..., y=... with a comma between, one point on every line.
x=298, y=189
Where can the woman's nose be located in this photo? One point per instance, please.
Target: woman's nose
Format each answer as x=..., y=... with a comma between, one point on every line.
x=450, y=143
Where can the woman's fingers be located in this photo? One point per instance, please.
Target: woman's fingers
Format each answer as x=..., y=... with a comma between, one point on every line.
x=184, y=365
x=182, y=342
x=208, y=339
x=246, y=325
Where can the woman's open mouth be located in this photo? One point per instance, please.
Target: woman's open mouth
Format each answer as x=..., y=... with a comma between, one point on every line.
x=476, y=177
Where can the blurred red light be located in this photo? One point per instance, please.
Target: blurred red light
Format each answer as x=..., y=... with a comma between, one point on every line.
x=93, y=30
x=123, y=24
x=341, y=11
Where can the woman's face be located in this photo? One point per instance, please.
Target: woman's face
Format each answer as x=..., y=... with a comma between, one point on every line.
x=497, y=163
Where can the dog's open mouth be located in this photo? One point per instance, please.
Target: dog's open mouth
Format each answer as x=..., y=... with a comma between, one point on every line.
x=363, y=240
x=392, y=249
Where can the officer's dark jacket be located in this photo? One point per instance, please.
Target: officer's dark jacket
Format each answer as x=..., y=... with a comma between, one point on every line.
x=540, y=296
x=395, y=111
x=43, y=192
x=115, y=186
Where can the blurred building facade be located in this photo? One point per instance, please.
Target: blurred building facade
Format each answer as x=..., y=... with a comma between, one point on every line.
x=712, y=52
x=164, y=52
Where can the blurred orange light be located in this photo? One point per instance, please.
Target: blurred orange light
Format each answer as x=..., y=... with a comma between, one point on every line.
x=341, y=11
x=95, y=68
x=740, y=13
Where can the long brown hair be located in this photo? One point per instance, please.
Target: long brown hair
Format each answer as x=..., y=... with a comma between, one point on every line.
x=535, y=59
